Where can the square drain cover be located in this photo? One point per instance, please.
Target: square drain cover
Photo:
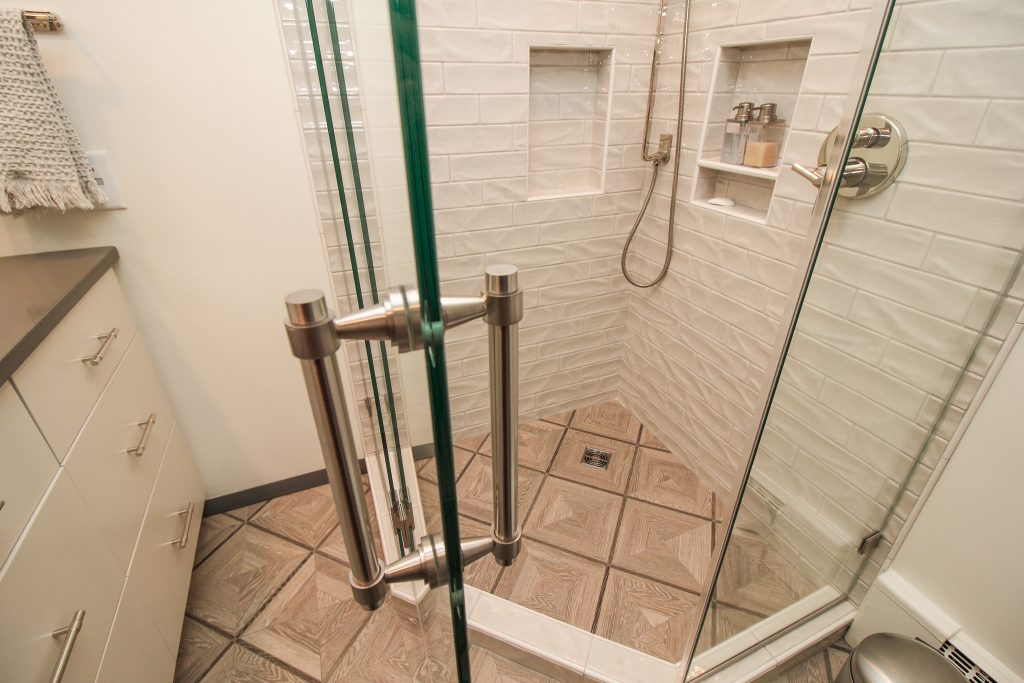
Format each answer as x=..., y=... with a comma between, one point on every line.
x=595, y=457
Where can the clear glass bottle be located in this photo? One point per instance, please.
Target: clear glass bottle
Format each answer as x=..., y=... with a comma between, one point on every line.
x=764, y=138
x=735, y=142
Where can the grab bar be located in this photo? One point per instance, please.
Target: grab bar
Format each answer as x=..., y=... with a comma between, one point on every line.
x=315, y=336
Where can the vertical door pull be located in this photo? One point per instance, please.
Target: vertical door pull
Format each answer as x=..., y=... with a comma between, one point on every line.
x=71, y=632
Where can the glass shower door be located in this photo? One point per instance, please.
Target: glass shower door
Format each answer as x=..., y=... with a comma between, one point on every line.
x=909, y=295
x=383, y=241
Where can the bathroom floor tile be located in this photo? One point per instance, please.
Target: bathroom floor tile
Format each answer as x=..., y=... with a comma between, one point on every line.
x=471, y=443
x=647, y=438
x=489, y=667
x=648, y=615
x=213, y=531
x=756, y=578
x=578, y=518
x=568, y=462
x=660, y=477
x=199, y=647
x=305, y=517
x=390, y=647
x=553, y=582
x=427, y=468
x=242, y=665
x=559, y=418
x=231, y=586
x=476, y=498
x=246, y=511
x=538, y=441
x=334, y=545
x=609, y=419
x=837, y=659
x=484, y=572
x=311, y=621
x=669, y=546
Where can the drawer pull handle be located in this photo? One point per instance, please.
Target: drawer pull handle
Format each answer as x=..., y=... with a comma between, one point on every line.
x=147, y=428
x=188, y=512
x=71, y=631
x=97, y=358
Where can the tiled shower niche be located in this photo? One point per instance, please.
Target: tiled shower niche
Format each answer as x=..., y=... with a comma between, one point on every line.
x=570, y=89
x=759, y=72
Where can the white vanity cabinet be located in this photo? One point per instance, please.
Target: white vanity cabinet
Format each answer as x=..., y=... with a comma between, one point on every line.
x=102, y=504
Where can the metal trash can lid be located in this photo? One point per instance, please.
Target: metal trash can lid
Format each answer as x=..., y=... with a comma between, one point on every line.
x=892, y=658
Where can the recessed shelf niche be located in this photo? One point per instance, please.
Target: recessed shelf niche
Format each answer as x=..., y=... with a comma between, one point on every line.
x=570, y=91
x=758, y=72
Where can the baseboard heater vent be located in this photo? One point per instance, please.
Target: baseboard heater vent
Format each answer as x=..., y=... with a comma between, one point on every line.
x=971, y=671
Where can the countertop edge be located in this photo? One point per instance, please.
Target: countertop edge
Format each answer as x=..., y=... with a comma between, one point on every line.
x=10, y=362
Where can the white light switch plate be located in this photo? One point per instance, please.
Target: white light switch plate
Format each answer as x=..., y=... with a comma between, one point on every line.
x=104, y=176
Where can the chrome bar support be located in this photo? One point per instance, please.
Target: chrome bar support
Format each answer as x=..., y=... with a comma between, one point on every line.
x=70, y=635
x=311, y=332
x=504, y=311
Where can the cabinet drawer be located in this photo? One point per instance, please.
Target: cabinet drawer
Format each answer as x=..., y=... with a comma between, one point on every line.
x=26, y=468
x=59, y=387
x=136, y=651
x=116, y=481
x=60, y=565
x=162, y=568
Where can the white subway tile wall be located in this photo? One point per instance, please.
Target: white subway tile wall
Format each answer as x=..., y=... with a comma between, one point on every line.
x=299, y=48
x=901, y=292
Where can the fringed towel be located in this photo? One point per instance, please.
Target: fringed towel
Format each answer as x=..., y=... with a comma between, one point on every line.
x=42, y=163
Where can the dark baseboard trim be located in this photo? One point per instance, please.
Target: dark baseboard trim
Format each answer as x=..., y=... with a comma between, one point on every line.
x=423, y=451
x=258, y=494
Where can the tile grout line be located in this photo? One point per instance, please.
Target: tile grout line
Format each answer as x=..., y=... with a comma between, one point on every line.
x=615, y=536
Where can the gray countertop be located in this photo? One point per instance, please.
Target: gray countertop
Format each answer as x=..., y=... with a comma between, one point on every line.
x=37, y=291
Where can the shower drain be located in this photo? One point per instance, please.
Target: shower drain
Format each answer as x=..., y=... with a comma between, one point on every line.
x=595, y=457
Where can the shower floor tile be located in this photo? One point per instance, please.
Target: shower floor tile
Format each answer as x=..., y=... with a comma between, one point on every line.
x=608, y=419
x=538, y=441
x=664, y=544
x=200, y=648
x=568, y=463
x=659, y=477
x=756, y=578
x=475, y=490
x=647, y=615
x=554, y=582
x=575, y=517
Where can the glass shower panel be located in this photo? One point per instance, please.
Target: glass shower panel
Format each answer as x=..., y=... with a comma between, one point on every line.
x=909, y=299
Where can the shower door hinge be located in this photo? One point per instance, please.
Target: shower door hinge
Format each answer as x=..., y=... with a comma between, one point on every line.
x=869, y=542
x=402, y=521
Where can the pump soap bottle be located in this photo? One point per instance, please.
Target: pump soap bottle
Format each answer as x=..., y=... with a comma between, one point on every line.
x=735, y=142
x=764, y=137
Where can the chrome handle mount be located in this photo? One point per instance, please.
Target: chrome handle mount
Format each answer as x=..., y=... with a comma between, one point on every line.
x=881, y=145
x=70, y=635
x=315, y=335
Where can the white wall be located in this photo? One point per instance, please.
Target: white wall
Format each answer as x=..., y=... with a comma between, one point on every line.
x=192, y=101
x=964, y=552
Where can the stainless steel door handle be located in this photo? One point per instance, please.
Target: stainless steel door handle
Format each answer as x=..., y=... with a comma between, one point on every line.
x=71, y=632
x=188, y=512
x=97, y=358
x=147, y=428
